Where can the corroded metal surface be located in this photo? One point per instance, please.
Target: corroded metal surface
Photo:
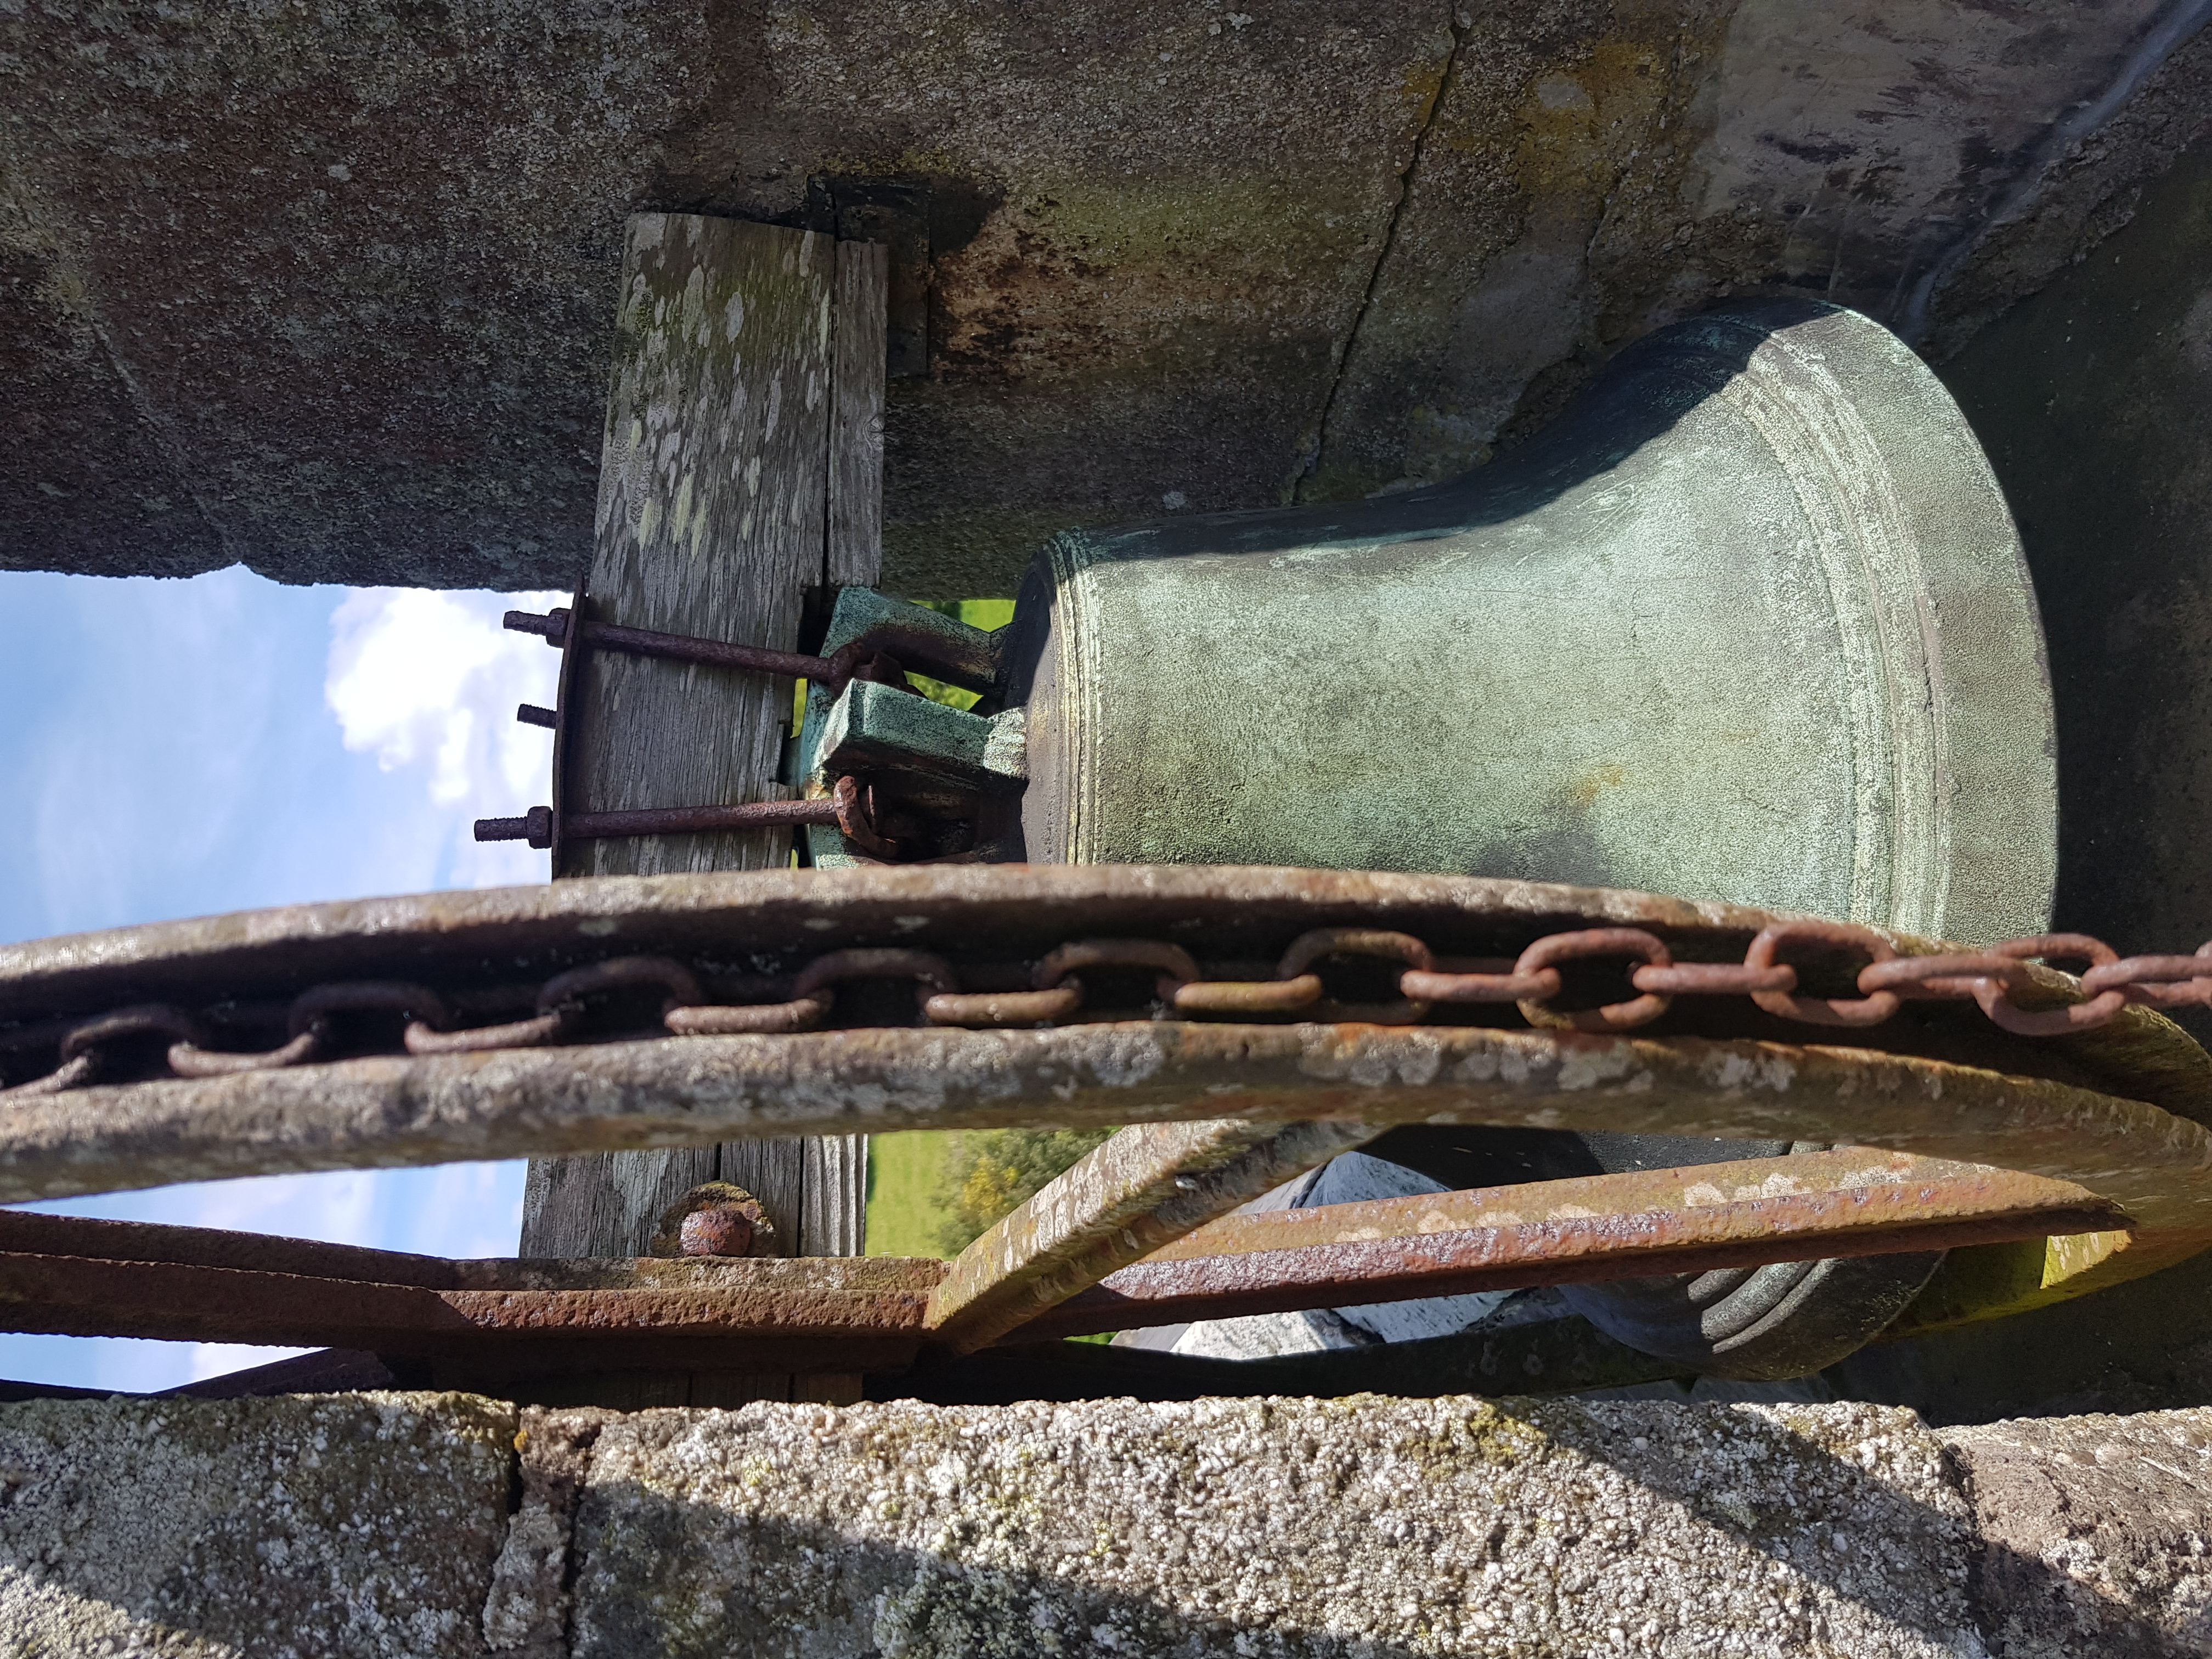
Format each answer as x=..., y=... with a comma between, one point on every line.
x=87, y=1277
x=687, y=1091
x=486, y=945
x=68, y=1274
x=2057, y=1107
x=1561, y=1232
x=1689, y=1208
x=978, y=993
x=1143, y=1188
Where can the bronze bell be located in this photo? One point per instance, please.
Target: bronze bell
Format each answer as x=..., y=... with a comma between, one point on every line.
x=1750, y=623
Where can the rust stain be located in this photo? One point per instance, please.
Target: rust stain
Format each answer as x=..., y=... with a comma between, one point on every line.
x=1585, y=790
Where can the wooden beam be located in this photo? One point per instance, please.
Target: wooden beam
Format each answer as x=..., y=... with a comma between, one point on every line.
x=712, y=500
x=856, y=416
x=740, y=467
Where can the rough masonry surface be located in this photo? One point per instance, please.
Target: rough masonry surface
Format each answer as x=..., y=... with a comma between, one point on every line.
x=329, y=291
x=1370, y=1526
x=354, y=1524
x=415, y=1525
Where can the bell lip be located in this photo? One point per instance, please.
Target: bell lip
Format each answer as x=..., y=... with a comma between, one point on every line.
x=1995, y=771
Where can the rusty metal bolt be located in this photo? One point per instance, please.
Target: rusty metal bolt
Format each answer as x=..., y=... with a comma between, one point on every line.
x=716, y=1218
x=718, y=1230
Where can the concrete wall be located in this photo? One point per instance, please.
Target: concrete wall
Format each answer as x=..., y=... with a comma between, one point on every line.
x=328, y=291
x=427, y=1524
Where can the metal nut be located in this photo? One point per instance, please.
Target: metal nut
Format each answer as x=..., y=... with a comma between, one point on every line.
x=716, y=1218
x=718, y=1230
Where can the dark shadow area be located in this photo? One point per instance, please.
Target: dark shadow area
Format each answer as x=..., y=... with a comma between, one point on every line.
x=1643, y=393
x=1549, y=1356
x=2144, y=1346
x=2091, y=400
x=1638, y=399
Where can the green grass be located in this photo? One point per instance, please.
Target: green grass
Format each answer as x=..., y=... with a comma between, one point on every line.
x=912, y=1201
x=906, y=1205
x=990, y=615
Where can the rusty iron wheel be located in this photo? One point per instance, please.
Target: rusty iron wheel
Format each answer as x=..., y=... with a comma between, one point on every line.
x=2118, y=1109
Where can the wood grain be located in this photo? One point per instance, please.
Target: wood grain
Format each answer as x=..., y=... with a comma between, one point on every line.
x=856, y=418
x=740, y=465
x=712, y=502
x=604, y=1204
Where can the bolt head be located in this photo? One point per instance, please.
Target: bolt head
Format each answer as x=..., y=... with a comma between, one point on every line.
x=718, y=1230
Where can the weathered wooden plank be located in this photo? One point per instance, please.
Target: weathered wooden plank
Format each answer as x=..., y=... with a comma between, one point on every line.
x=1145, y=1187
x=716, y=502
x=774, y=1171
x=712, y=504
x=834, y=1205
x=604, y=1204
x=856, y=419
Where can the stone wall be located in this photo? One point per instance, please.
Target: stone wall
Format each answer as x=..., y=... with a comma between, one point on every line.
x=425, y=1524
x=329, y=290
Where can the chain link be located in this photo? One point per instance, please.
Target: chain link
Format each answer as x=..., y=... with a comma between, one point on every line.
x=1532, y=982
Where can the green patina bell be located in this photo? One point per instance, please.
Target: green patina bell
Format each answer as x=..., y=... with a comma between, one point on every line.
x=1750, y=623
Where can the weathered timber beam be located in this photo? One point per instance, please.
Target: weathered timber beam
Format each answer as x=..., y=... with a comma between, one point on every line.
x=1145, y=1186
x=1851, y=1202
x=741, y=467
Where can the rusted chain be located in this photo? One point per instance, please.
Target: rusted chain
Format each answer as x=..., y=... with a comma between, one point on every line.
x=1536, y=962
x=815, y=993
x=1992, y=978
x=307, y=1024
x=2160, y=981
x=1310, y=947
x=1869, y=1010
x=1058, y=992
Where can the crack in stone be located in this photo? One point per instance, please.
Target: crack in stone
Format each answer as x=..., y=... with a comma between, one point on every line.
x=1309, y=463
x=158, y=427
x=1668, y=109
x=28, y=224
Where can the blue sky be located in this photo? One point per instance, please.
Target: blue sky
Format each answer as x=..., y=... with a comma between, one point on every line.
x=179, y=748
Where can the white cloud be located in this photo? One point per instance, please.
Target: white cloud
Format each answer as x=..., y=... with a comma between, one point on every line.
x=223, y=742
x=428, y=682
